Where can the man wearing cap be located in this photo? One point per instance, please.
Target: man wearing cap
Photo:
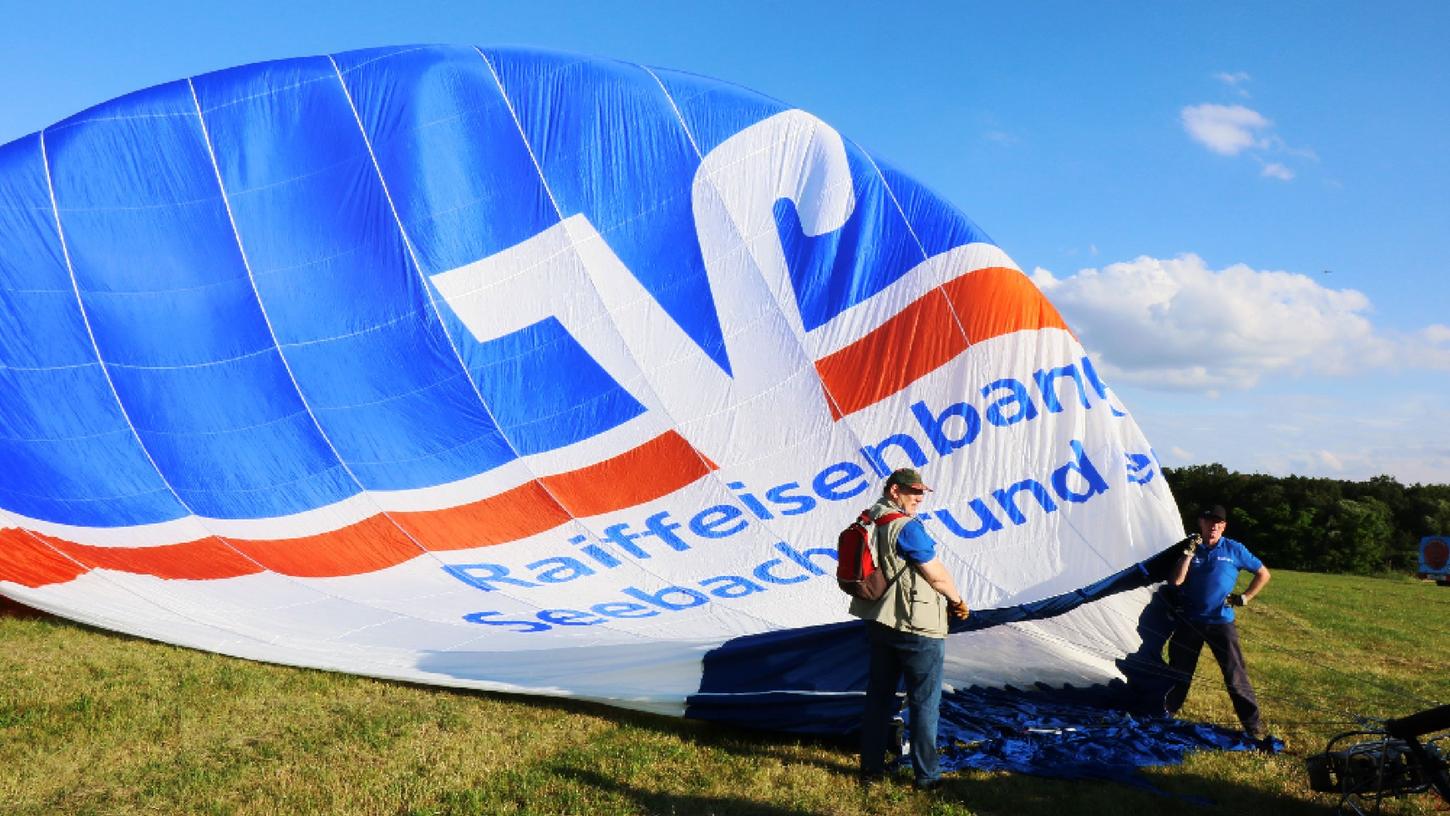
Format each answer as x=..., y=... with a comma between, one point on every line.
x=1206, y=574
x=907, y=629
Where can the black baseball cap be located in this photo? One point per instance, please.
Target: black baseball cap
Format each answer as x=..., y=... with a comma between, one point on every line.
x=1214, y=512
x=907, y=477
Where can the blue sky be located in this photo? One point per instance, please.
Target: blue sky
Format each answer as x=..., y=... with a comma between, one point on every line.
x=1242, y=208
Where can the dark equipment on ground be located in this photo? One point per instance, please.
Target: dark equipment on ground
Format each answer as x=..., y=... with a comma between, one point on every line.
x=1385, y=762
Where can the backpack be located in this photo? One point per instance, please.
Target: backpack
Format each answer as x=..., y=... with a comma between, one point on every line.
x=856, y=572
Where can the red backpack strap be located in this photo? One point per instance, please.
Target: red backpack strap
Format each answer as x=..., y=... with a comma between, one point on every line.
x=884, y=518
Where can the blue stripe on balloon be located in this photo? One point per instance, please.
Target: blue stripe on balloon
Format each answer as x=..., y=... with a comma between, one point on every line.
x=377, y=362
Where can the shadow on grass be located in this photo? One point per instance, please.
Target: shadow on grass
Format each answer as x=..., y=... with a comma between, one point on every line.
x=645, y=801
x=1186, y=793
x=737, y=741
x=15, y=609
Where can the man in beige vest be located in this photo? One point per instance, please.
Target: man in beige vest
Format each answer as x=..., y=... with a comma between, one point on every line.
x=907, y=630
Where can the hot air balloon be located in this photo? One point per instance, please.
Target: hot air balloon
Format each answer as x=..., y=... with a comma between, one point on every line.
x=532, y=372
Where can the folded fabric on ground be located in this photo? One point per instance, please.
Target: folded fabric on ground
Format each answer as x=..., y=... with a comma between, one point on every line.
x=1043, y=734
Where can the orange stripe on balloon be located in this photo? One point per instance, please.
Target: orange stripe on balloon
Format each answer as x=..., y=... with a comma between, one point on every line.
x=920, y=339
x=657, y=468
x=925, y=336
x=28, y=562
x=508, y=516
x=367, y=546
x=996, y=301
x=190, y=560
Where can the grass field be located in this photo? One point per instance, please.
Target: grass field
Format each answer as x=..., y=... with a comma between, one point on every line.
x=95, y=723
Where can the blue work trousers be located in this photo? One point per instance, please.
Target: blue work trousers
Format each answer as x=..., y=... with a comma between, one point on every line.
x=919, y=659
x=1223, y=640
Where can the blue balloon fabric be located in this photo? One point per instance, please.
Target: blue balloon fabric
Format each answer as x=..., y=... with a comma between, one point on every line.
x=540, y=373
x=1044, y=733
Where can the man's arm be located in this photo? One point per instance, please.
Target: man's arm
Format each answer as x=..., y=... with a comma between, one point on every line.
x=940, y=580
x=1180, y=567
x=1261, y=578
x=919, y=550
x=1180, y=571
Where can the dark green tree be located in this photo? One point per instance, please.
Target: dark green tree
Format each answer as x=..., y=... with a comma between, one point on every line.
x=1325, y=525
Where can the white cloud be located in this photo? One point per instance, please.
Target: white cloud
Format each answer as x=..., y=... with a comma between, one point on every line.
x=1368, y=427
x=1329, y=460
x=1300, y=152
x=1226, y=129
x=1405, y=460
x=1278, y=171
x=1235, y=80
x=1429, y=347
x=1231, y=130
x=1176, y=324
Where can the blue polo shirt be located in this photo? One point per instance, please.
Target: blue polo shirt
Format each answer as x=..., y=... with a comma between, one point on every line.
x=915, y=544
x=1211, y=577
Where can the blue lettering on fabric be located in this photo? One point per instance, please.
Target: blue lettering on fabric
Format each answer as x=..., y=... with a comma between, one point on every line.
x=943, y=431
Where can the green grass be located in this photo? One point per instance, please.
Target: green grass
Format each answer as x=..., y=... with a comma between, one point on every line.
x=95, y=723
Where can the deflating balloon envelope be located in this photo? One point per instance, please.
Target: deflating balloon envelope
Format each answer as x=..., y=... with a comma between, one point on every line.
x=516, y=370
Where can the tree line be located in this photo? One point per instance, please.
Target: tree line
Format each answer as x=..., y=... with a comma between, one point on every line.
x=1318, y=525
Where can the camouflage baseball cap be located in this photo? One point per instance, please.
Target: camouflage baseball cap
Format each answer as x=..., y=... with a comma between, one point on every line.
x=907, y=477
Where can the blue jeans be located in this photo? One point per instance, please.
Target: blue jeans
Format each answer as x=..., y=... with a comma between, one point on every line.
x=920, y=659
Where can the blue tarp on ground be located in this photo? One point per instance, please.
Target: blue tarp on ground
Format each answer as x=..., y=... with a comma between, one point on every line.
x=1044, y=734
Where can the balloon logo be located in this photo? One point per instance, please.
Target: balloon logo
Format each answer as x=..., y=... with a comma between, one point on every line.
x=1435, y=553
